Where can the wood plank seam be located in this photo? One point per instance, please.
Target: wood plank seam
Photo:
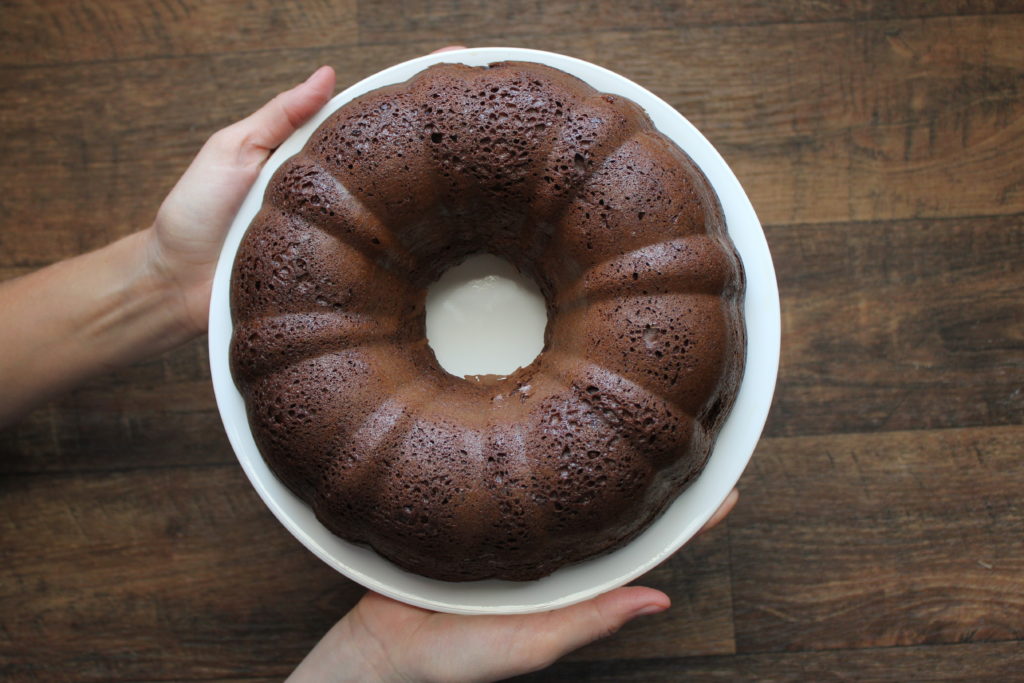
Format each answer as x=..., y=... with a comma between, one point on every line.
x=521, y=39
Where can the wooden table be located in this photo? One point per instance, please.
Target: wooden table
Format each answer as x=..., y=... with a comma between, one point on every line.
x=880, y=535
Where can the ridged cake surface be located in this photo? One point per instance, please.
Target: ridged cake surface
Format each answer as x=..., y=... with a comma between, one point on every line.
x=565, y=459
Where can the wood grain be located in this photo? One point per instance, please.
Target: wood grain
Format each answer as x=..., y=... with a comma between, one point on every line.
x=879, y=533
x=905, y=325
x=153, y=414
x=70, y=31
x=174, y=573
x=183, y=572
x=968, y=663
x=920, y=542
x=840, y=122
x=478, y=22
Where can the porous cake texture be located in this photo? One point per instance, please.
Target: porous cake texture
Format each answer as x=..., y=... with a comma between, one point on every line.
x=565, y=459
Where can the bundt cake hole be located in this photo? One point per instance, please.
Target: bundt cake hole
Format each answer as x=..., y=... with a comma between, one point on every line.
x=485, y=319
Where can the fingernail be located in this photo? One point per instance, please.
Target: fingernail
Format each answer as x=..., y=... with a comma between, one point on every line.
x=649, y=609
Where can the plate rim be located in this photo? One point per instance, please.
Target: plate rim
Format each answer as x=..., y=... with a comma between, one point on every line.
x=762, y=302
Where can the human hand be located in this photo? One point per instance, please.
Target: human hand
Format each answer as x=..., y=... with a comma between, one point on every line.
x=148, y=291
x=185, y=240
x=186, y=237
x=385, y=640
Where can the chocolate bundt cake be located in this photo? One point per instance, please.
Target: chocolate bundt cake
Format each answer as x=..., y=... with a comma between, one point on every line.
x=567, y=458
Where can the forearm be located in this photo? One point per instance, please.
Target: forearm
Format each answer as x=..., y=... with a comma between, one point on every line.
x=80, y=317
x=150, y=291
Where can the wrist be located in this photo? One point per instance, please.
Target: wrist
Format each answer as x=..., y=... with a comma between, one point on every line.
x=348, y=652
x=187, y=309
x=136, y=302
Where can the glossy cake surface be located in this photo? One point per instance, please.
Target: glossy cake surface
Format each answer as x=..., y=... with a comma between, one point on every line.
x=566, y=458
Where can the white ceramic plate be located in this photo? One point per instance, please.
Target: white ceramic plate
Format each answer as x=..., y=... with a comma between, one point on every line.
x=680, y=521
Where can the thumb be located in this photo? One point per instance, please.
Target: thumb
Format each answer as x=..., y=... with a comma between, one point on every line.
x=212, y=188
x=573, y=627
x=257, y=135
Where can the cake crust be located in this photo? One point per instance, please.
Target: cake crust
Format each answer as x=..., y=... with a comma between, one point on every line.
x=565, y=459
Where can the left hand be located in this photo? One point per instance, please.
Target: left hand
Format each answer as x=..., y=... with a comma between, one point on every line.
x=186, y=237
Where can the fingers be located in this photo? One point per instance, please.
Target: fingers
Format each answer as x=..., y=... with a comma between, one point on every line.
x=578, y=625
x=722, y=512
x=252, y=139
x=570, y=628
x=275, y=121
x=257, y=135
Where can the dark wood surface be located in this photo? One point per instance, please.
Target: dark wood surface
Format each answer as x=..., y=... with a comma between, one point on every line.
x=880, y=534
